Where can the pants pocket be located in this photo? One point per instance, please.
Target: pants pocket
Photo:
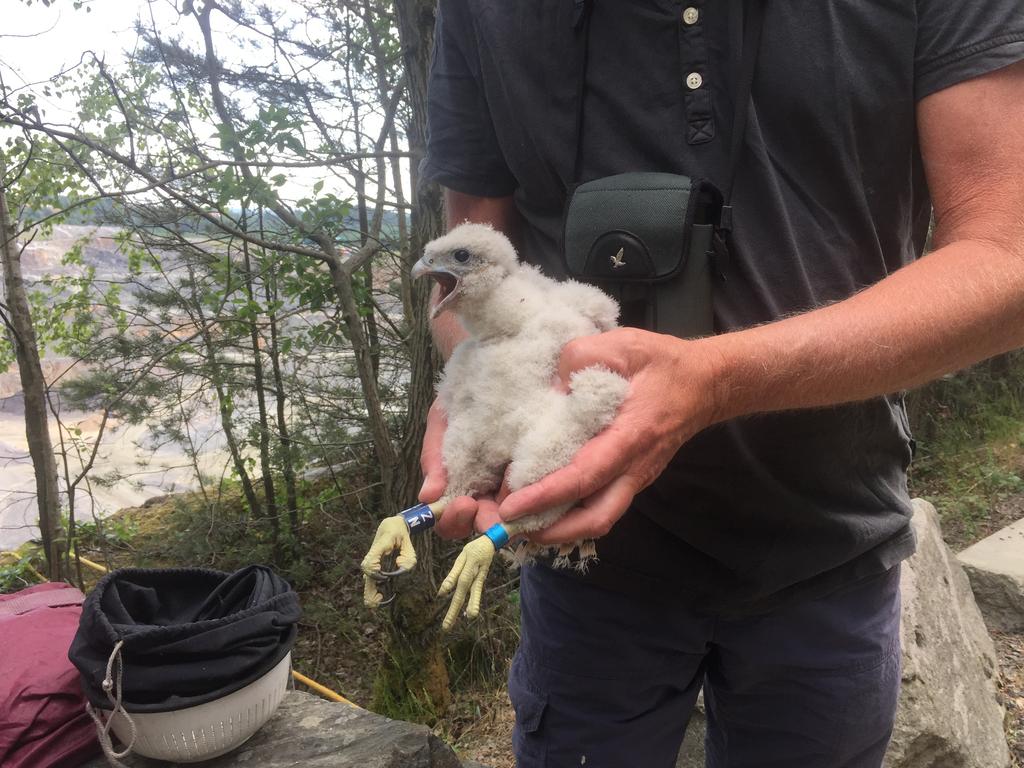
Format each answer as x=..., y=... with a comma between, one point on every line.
x=528, y=742
x=866, y=721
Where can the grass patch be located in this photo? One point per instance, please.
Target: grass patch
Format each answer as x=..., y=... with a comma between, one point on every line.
x=970, y=429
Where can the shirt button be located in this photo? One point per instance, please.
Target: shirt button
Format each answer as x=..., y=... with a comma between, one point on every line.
x=690, y=15
x=694, y=81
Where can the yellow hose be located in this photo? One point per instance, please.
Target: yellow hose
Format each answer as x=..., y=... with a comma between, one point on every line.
x=323, y=690
x=91, y=564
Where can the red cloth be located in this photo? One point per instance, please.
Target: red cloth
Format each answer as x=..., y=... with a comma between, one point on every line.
x=43, y=723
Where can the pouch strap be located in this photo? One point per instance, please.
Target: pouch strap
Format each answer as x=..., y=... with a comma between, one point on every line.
x=753, y=23
x=581, y=24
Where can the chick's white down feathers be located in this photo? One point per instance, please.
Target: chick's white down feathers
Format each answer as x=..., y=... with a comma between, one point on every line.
x=498, y=387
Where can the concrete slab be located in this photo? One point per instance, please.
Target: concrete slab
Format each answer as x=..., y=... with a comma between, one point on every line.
x=995, y=566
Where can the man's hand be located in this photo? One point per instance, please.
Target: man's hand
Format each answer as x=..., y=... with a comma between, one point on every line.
x=463, y=513
x=671, y=398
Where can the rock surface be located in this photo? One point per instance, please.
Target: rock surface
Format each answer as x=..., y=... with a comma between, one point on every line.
x=948, y=713
x=691, y=754
x=948, y=716
x=310, y=732
x=995, y=566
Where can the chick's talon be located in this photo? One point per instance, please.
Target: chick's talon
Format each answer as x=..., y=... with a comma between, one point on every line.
x=385, y=575
x=372, y=596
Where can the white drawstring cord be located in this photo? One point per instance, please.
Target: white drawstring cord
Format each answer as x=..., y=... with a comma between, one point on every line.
x=114, y=692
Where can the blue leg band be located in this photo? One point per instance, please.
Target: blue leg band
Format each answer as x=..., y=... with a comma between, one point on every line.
x=418, y=518
x=498, y=535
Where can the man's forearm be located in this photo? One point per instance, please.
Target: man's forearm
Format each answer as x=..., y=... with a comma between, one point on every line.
x=958, y=305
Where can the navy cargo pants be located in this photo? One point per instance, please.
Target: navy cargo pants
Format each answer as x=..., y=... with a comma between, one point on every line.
x=602, y=680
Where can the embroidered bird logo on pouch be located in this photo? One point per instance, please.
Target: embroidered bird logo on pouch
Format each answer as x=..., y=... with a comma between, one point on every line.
x=618, y=260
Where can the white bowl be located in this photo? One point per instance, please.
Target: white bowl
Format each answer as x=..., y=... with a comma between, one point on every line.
x=207, y=730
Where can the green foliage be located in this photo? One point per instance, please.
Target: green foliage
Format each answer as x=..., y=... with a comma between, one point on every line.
x=42, y=181
x=478, y=655
x=325, y=213
x=17, y=572
x=970, y=429
x=116, y=532
x=306, y=283
x=6, y=353
x=393, y=696
x=63, y=309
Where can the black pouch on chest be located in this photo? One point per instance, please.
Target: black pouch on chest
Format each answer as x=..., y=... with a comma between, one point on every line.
x=645, y=238
x=656, y=242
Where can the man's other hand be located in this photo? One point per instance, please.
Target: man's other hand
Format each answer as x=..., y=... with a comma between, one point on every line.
x=671, y=398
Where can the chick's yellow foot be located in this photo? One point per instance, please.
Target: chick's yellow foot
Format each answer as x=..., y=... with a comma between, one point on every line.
x=467, y=579
x=392, y=536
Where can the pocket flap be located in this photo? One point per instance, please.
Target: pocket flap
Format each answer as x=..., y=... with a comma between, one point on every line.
x=631, y=226
x=529, y=707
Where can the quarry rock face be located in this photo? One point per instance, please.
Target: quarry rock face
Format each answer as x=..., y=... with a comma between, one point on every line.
x=948, y=715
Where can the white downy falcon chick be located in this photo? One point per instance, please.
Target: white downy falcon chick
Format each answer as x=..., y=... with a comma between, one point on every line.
x=498, y=388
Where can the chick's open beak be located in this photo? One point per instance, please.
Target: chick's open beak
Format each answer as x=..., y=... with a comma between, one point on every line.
x=448, y=281
x=420, y=268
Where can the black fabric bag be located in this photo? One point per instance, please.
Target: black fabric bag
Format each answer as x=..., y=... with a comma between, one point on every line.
x=190, y=635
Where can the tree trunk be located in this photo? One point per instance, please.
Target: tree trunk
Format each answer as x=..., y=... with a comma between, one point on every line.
x=33, y=386
x=416, y=27
x=266, y=467
x=359, y=172
x=418, y=659
x=281, y=401
x=284, y=436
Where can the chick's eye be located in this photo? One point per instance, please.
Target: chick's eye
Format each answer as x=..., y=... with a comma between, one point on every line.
x=461, y=255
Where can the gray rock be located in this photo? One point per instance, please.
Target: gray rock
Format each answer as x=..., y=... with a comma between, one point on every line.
x=310, y=732
x=995, y=566
x=948, y=713
x=691, y=754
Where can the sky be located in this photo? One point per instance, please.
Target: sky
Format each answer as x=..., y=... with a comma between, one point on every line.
x=38, y=41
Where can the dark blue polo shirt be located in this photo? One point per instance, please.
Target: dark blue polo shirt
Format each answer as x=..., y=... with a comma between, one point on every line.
x=830, y=197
